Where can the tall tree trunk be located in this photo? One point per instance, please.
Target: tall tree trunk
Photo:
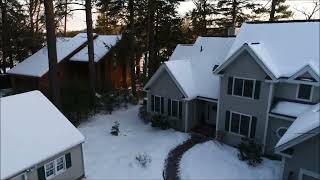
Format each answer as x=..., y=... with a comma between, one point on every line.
x=132, y=53
x=204, y=17
x=151, y=40
x=234, y=13
x=92, y=79
x=4, y=34
x=65, y=18
x=52, y=52
x=273, y=10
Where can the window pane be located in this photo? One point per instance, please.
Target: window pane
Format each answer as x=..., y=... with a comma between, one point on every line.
x=169, y=107
x=227, y=121
x=162, y=105
x=235, y=119
x=49, y=169
x=152, y=102
x=304, y=91
x=60, y=164
x=157, y=104
x=174, y=108
x=180, y=110
x=244, y=126
x=248, y=88
x=230, y=83
x=238, y=83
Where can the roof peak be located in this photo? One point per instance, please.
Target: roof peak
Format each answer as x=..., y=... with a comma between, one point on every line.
x=282, y=21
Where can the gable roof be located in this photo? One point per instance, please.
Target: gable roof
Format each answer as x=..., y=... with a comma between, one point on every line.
x=32, y=130
x=284, y=48
x=194, y=75
x=37, y=64
x=182, y=52
x=102, y=45
x=304, y=127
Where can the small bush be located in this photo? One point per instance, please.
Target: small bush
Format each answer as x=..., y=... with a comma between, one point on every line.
x=250, y=151
x=160, y=122
x=143, y=159
x=115, y=128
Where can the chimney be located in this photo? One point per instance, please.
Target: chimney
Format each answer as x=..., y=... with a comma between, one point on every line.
x=231, y=31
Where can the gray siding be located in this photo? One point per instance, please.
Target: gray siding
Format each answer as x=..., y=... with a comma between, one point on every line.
x=306, y=156
x=289, y=91
x=272, y=138
x=257, y=108
x=74, y=172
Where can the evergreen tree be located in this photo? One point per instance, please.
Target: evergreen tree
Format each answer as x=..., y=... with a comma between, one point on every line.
x=279, y=10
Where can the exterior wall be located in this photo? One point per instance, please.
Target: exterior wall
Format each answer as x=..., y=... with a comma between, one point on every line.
x=74, y=172
x=257, y=108
x=289, y=91
x=306, y=156
x=23, y=84
x=272, y=138
x=165, y=87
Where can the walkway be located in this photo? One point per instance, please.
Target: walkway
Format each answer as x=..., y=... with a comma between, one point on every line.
x=172, y=162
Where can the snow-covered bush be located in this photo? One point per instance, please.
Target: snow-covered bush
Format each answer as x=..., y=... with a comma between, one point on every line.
x=160, y=122
x=250, y=151
x=143, y=159
x=115, y=128
x=144, y=115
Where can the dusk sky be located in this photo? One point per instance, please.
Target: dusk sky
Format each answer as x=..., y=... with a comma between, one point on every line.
x=77, y=21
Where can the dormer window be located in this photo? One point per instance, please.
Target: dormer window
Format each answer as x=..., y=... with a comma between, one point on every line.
x=304, y=92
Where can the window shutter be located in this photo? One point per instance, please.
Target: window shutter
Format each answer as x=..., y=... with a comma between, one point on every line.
x=41, y=173
x=162, y=105
x=68, y=160
x=230, y=84
x=227, y=121
x=180, y=110
x=257, y=90
x=169, y=107
x=152, y=102
x=253, y=127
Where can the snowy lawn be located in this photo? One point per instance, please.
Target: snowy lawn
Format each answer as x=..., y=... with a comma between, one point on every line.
x=114, y=157
x=212, y=160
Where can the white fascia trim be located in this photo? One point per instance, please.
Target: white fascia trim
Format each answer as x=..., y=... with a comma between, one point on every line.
x=281, y=117
x=308, y=173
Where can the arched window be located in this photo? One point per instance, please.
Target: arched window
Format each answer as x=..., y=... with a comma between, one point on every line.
x=281, y=131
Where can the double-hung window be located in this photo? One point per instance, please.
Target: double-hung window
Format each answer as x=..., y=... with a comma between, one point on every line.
x=304, y=92
x=55, y=167
x=175, y=108
x=157, y=104
x=244, y=87
x=241, y=124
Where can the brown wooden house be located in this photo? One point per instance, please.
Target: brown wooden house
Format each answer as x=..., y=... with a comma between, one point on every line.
x=73, y=67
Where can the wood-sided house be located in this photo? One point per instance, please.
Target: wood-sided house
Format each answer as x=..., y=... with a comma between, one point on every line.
x=72, y=57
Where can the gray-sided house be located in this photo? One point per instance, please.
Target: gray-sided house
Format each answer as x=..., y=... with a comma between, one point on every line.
x=184, y=88
x=300, y=147
x=270, y=77
x=37, y=141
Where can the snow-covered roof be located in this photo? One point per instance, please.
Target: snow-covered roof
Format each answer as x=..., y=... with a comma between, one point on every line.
x=194, y=75
x=37, y=64
x=284, y=48
x=32, y=130
x=182, y=52
x=305, y=123
x=292, y=109
x=102, y=45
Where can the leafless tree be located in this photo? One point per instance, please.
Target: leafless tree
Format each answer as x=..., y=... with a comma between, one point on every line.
x=309, y=14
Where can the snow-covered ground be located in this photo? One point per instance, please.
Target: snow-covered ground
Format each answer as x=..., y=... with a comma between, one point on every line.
x=212, y=160
x=114, y=157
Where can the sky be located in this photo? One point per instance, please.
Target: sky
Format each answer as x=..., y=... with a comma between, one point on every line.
x=77, y=20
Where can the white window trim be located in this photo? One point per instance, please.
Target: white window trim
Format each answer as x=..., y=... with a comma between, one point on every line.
x=178, y=110
x=308, y=173
x=154, y=104
x=230, y=121
x=54, y=170
x=280, y=128
x=242, y=96
x=55, y=167
x=311, y=92
x=64, y=165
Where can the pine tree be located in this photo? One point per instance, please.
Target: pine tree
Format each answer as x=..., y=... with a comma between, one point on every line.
x=279, y=10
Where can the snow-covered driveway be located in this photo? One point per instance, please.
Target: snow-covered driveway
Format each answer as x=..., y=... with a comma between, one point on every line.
x=212, y=160
x=113, y=157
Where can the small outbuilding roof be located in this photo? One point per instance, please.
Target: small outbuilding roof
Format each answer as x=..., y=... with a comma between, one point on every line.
x=306, y=125
x=102, y=45
x=32, y=130
x=284, y=48
x=38, y=64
